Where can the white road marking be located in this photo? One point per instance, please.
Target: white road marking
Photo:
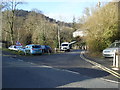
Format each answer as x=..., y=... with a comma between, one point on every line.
x=110, y=80
x=20, y=60
x=101, y=66
x=69, y=71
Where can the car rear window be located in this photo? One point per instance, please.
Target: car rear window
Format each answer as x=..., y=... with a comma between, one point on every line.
x=36, y=46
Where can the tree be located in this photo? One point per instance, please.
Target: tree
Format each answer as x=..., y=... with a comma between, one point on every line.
x=74, y=25
x=33, y=27
x=10, y=7
x=87, y=12
x=102, y=27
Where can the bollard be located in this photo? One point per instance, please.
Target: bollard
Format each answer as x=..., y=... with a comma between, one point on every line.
x=55, y=50
x=118, y=58
x=114, y=59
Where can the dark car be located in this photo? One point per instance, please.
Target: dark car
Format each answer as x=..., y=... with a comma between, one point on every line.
x=46, y=49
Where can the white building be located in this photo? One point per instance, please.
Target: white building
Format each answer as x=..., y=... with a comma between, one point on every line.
x=80, y=33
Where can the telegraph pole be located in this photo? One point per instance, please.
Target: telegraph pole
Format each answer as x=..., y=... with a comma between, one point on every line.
x=59, y=36
x=99, y=4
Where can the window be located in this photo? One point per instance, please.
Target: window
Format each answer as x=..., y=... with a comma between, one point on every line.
x=115, y=45
x=36, y=46
x=64, y=44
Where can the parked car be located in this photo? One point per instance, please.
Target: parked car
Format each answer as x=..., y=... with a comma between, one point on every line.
x=109, y=52
x=46, y=49
x=15, y=47
x=33, y=49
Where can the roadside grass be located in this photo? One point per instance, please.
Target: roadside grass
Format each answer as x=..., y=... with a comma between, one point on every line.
x=22, y=53
x=95, y=54
x=12, y=51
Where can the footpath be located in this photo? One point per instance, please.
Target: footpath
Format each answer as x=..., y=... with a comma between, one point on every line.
x=105, y=64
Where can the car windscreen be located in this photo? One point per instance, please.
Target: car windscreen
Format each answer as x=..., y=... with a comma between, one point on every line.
x=64, y=44
x=36, y=46
x=115, y=45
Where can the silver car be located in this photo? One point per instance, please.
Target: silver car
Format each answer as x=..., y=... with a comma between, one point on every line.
x=15, y=47
x=109, y=52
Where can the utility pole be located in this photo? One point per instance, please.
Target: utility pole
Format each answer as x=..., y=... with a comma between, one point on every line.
x=59, y=36
x=59, y=28
x=74, y=24
x=99, y=4
x=44, y=31
x=0, y=26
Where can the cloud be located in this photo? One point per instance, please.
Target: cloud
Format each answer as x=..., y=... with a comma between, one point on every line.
x=59, y=16
x=67, y=17
x=68, y=0
x=65, y=11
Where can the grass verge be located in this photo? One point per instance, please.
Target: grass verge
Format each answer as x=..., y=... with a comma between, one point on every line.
x=12, y=51
x=95, y=54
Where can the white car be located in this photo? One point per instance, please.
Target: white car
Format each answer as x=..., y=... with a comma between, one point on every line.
x=15, y=47
x=65, y=46
x=109, y=52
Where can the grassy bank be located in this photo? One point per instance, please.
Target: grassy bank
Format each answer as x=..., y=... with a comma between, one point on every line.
x=95, y=54
x=12, y=51
x=21, y=53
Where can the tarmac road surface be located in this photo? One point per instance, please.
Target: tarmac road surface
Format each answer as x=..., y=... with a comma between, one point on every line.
x=53, y=71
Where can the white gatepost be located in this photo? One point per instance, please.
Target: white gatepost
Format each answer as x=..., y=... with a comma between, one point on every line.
x=116, y=58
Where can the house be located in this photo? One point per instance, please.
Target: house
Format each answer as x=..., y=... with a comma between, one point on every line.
x=79, y=32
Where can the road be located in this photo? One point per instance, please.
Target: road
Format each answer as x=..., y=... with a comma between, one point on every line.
x=53, y=71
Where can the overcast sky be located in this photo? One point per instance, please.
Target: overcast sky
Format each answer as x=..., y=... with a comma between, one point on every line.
x=63, y=10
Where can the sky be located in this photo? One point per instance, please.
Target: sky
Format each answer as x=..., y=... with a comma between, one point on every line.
x=63, y=10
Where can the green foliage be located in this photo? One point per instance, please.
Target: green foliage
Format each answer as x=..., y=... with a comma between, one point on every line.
x=102, y=27
x=12, y=51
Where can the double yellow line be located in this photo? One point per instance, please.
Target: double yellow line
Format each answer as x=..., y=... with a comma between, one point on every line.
x=101, y=66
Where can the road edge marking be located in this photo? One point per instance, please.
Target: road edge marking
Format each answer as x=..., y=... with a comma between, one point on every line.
x=100, y=66
x=110, y=80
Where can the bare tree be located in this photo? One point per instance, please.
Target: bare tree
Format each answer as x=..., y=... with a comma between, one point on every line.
x=11, y=6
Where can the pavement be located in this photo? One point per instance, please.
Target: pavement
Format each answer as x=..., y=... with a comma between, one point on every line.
x=105, y=64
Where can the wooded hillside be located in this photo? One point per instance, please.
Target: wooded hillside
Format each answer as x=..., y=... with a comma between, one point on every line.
x=30, y=27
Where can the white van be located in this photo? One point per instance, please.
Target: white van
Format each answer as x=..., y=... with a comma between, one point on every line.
x=65, y=46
